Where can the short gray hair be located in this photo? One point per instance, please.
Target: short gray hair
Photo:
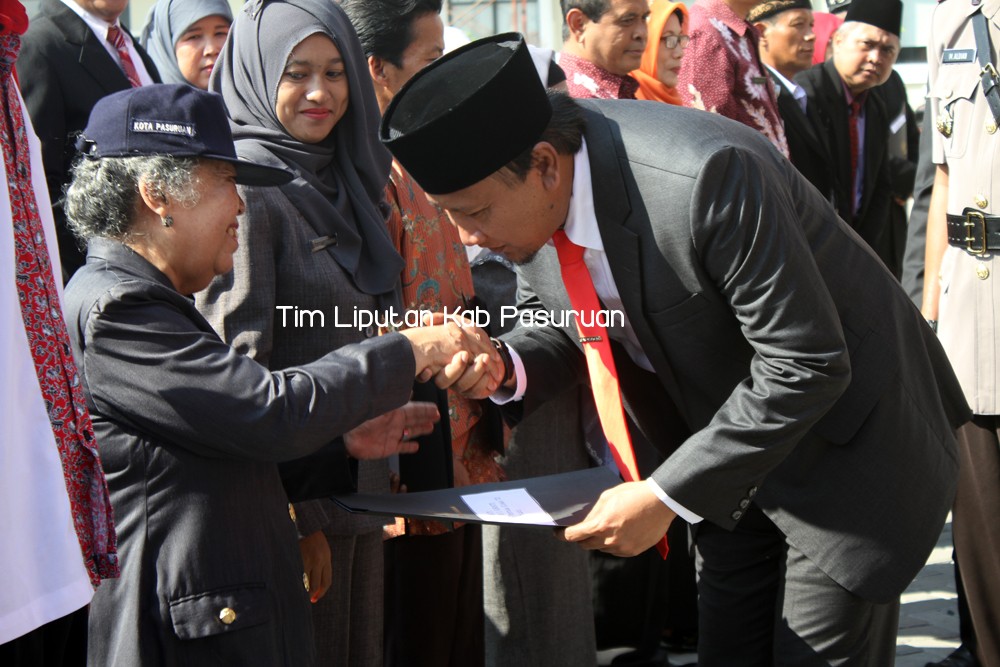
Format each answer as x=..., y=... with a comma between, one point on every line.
x=102, y=200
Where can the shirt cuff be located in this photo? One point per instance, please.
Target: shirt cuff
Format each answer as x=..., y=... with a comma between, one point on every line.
x=503, y=395
x=678, y=509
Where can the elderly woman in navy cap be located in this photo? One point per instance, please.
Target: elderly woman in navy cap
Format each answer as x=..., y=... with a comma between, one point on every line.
x=189, y=429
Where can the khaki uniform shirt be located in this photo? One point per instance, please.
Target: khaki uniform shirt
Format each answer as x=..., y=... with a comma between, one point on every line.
x=970, y=291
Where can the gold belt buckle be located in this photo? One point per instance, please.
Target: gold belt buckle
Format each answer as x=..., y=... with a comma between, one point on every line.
x=971, y=217
x=991, y=71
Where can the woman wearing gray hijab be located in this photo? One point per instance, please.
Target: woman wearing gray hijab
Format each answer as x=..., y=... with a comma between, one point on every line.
x=184, y=38
x=299, y=95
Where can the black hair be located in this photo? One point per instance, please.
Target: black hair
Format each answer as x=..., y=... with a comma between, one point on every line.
x=564, y=132
x=592, y=9
x=385, y=27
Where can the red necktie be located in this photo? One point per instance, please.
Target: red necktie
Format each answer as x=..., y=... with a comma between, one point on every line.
x=600, y=361
x=117, y=39
x=58, y=378
x=853, y=116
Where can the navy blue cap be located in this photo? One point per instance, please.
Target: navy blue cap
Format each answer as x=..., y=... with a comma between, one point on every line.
x=169, y=119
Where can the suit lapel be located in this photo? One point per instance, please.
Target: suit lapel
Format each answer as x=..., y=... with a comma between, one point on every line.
x=93, y=57
x=614, y=213
x=793, y=115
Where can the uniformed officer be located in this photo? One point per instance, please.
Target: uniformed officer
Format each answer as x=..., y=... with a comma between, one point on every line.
x=961, y=290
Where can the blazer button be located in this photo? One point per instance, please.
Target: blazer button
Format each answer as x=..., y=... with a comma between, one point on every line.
x=227, y=616
x=305, y=581
x=744, y=503
x=982, y=271
x=752, y=491
x=737, y=515
x=981, y=201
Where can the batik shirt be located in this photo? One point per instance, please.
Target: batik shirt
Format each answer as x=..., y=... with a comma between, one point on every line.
x=437, y=277
x=722, y=73
x=584, y=79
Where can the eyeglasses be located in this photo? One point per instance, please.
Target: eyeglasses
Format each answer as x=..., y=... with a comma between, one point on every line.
x=673, y=41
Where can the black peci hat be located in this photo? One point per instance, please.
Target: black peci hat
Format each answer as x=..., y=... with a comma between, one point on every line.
x=468, y=114
x=169, y=119
x=884, y=14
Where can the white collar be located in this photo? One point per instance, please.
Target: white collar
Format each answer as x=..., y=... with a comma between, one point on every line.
x=581, y=220
x=98, y=25
x=797, y=91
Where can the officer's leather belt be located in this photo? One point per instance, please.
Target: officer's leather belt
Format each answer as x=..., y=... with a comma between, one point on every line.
x=974, y=231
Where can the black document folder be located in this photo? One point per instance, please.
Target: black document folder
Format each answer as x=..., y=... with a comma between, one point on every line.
x=563, y=499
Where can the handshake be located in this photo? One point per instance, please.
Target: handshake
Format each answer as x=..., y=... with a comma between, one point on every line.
x=457, y=354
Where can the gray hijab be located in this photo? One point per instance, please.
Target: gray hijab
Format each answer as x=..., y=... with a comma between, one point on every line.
x=167, y=21
x=340, y=181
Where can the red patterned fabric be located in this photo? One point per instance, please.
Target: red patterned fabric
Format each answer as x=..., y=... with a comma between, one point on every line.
x=437, y=277
x=117, y=39
x=722, y=72
x=584, y=80
x=48, y=340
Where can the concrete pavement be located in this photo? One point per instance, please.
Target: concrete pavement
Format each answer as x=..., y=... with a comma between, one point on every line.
x=928, y=618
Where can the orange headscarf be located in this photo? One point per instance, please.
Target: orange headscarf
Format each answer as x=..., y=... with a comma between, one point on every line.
x=651, y=88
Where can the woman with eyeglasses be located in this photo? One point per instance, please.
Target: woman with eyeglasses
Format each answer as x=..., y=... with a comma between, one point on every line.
x=661, y=61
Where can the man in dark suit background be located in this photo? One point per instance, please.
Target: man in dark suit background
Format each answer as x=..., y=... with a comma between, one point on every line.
x=855, y=123
x=67, y=64
x=822, y=461
x=786, y=48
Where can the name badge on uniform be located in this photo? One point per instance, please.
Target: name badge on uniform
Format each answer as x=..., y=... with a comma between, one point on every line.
x=958, y=56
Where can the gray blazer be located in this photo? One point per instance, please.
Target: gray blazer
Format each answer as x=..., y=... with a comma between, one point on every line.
x=275, y=266
x=811, y=384
x=189, y=434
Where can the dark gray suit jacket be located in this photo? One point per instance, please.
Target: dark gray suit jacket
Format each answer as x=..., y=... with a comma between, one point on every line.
x=189, y=434
x=808, y=151
x=827, y=111
x=811, y=384
x=63, y=71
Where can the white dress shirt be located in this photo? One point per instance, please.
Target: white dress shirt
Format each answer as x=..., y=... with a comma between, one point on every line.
x=582, y=229
x=100, y=29
x=797, y=91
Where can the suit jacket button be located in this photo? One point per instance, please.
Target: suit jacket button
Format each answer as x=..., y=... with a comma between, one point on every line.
x=981, y=201
x=737, y=515
x=752, y=491
x=982, y=271
x=744, y=503
x=227, y=616
x=305, y=581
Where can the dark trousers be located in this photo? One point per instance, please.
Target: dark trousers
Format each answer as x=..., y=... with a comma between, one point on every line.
x=976, y=530
x=762, y=602
x=434, y=600
x=58, y=643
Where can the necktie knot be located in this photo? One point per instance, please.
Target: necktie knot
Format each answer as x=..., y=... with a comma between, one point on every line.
x=117, y=39
x=569, y=252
